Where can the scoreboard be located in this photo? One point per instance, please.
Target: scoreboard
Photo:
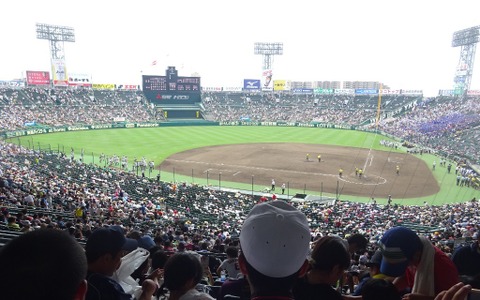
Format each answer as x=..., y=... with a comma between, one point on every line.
x=171, y=88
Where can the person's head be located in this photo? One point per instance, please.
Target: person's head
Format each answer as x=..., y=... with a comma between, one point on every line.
x=357, y=242
x=400, y=247
x=105, y=248
x=330, y=257
x=380, y=289
x=182, y=272
x=232, y=252
x=275, y=240
x=159, y=258
x=374, y=263
x=43, y=264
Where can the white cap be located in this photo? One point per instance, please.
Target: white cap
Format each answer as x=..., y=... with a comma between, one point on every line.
x=275, y=239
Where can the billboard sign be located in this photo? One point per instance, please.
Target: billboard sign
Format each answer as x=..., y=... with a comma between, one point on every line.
x=302, y=91
x=267, y=82
x=128, y=87
x=344, y=91
x=59, y=72
x=473, y=92
x=38, y=78
x=251, y=84
x=76, y=79
x=412, y=92
x=103, y=86
x=320, y=91
x=279, y=85
x=366, y=92
x=389, y=92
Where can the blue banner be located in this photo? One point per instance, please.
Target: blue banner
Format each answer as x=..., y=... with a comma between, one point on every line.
x=251, y=84
x=366, y=92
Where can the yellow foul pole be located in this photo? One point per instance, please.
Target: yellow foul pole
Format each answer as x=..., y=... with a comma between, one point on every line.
x=378, y=106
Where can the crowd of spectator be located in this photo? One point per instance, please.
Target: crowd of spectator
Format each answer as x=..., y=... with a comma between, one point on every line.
x=94, y=204
x=40, y=190
x=53, y=107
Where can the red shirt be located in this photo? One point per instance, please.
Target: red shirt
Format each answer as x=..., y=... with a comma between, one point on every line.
x=445, y=274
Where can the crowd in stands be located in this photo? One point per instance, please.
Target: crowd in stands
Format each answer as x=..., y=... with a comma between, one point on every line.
x=53, y=107
x=51, y=191
x=443, y=124
x=41, y=191
x=338, y=109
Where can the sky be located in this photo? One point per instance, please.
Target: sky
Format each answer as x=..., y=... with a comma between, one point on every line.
x=403, y=44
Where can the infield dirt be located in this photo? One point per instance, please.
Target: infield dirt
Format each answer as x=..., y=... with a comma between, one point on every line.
x=287, y=163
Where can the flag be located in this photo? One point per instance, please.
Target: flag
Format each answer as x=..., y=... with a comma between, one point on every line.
x=154, y=63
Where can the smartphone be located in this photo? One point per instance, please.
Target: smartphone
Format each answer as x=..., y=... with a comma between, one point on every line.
x=474, y=294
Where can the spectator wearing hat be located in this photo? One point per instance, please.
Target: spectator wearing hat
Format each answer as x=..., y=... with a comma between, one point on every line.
x=43, y=264
x=329, y=260
x=104, y=250
x=274, y=239
x=373, y=266
x=418, y=265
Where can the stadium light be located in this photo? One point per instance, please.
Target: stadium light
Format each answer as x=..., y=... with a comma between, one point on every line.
x=467, y=39
x=57, y=35
x=268, y=50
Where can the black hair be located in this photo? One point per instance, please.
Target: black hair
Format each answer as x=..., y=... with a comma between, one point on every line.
x=359, y=240
x=180, y=268
x=379, y=289
x=232, y=252
x=262, y=283
x=50, y=262
x=328, y=252
x=159, y=258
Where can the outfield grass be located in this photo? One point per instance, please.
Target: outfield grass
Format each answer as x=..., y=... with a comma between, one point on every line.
x=159, y=143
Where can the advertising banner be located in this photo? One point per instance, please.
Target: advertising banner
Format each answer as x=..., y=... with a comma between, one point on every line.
x=232, y=89
x=251, y=84
x=319, y=91
x=128, y=87
x=366, y=92
x=76, y=79
x=279, y=85
x=103, y=86
x=213, y=88
x=302, y=91
x=412, y=92
x=473, y=92
x=59, y=72
x=344, y=91
x=445, y=92
x=389, y=92
x=267, y=82
x=38, y=78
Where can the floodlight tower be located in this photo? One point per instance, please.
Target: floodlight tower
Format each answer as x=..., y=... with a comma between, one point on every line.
x=467, y=39
x=57, y=35
x=268, y=50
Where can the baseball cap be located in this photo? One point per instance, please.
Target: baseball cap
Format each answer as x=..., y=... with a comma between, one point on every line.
x=109, y=240
x=275, y=239
x=146, y=242
x=398, y=245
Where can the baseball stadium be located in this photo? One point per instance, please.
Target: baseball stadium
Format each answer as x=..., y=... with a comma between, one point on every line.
x=183, y=164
